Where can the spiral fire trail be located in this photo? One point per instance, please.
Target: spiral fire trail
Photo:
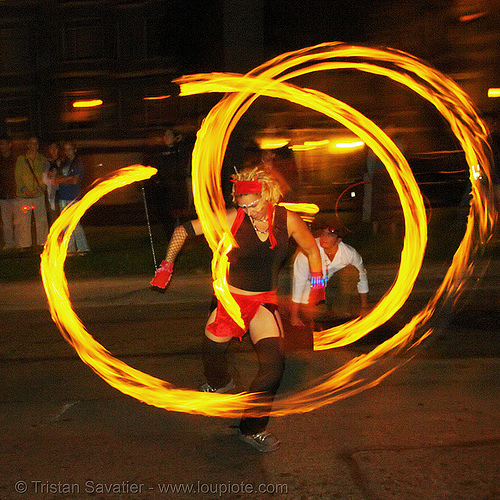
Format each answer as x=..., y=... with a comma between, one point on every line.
x=270, y=79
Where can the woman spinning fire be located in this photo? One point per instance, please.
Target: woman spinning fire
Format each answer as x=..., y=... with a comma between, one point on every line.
x=262, y=230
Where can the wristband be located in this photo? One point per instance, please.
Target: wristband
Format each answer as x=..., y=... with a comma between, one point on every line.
x=317, y=292
x=317, y=280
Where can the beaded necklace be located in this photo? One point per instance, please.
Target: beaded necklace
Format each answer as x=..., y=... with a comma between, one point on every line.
x=252, y=220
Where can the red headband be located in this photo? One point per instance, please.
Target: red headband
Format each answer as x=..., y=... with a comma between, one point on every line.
x=245, y=187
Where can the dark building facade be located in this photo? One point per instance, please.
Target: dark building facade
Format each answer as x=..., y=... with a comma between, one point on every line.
x=56, y=53
x=125, y=53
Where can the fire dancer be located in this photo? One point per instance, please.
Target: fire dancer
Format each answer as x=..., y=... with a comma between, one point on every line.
x=262, y=230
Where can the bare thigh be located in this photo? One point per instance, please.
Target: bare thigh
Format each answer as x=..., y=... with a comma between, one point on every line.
x=265, y=324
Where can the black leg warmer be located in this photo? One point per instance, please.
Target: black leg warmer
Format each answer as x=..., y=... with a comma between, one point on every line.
x=215, y=363
x=271, y=367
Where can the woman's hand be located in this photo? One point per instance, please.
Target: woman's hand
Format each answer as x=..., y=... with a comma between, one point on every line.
x=162, y=276
x=317, y=292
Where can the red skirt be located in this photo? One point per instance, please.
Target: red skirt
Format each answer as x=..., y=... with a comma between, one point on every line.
x=225, y=326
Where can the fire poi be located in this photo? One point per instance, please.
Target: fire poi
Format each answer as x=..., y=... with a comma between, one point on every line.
x=270, y=79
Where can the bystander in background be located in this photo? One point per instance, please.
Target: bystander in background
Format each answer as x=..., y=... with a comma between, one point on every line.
x=7, y=193
x=69, y=183
x=281, y=165
x=53, y=170
x=381, y=203
x=170, y=188
x=30, y=190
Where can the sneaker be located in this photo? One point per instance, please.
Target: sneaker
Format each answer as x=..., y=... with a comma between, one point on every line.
x=264, y=441
x=206, y=387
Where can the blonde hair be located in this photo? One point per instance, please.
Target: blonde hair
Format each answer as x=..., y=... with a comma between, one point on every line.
x=270, y=187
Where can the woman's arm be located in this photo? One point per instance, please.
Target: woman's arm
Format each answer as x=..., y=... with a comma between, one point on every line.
x=164, y=273
x=298, y=230
x=194, y=228
x=300, y=279
x=179, y=237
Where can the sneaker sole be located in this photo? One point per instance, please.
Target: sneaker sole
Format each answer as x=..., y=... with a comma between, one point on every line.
x=229, y=387
x=256, y=445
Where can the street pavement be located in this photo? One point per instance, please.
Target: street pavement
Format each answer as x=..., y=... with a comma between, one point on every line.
x=430, y=430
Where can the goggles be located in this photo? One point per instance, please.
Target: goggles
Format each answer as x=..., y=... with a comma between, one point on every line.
x=250, y=205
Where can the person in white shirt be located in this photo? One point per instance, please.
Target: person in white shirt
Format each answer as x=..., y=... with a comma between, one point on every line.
x=335, y=255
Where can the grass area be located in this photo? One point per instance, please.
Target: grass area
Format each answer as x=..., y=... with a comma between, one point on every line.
x=126, y=250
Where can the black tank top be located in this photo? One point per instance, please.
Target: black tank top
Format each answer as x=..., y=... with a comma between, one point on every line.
x=254, y=266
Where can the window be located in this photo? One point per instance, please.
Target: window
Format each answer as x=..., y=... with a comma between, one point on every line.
x=14, y=49
x=85, y=40
x=154, y=43
x=15, y=115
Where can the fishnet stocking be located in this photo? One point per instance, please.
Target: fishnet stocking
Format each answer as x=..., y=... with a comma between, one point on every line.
x=176, y=242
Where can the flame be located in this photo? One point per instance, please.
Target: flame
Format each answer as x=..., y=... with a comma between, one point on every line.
x=439, y=90
x=210, y=152
x=272, y=143
x=212, y=139
x=307, y=211
x=305, y=208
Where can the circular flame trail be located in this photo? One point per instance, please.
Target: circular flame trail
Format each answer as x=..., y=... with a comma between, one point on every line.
x=411, y=199
x=270, y=80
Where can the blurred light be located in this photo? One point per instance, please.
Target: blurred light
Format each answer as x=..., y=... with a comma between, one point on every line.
x=494, y=92
x=272, y=143
x=208, y=153
x=156, y=98
x=308, y=145
x=27, y=208
x=348, y=145
x=471, y=17
x=353, y=194
x=90, y=103
x=17, y=119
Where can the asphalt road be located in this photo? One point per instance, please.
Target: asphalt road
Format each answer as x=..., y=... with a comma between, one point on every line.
x=428, y=431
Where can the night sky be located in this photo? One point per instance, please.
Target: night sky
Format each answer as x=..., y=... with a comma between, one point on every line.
x=193, y=31
x=292, y=24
